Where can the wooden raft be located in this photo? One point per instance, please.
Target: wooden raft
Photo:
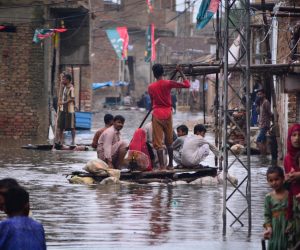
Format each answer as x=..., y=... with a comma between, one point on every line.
x=38, y=146
x=47, y=146
x=187, y=175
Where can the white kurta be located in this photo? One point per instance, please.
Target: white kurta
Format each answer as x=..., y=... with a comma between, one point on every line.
x=195, y=149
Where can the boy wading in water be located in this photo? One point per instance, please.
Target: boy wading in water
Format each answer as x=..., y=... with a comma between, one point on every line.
x=160, y=94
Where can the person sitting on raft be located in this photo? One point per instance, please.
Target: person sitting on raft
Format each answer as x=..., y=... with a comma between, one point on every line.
x=195, y=148
x=140, y=155
x=111, y=148
x=182, y=132
x=108, y=121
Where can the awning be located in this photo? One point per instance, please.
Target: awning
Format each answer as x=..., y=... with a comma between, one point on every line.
x=102, y=85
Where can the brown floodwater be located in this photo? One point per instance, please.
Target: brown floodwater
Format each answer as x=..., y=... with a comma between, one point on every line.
x=130, y=216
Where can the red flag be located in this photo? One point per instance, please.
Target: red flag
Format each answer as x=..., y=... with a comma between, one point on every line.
x=2, y=27
x=119, y=39
x=153, y=47
x=124, y=35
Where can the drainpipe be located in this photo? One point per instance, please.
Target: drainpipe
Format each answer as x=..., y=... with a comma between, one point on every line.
x=274, y=44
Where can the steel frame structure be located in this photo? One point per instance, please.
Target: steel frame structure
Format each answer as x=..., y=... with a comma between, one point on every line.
x=236, y=23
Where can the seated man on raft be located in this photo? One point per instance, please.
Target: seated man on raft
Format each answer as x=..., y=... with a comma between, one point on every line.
x=111, y=149
x=195, y=148
x=108, y=121
x=182, y=132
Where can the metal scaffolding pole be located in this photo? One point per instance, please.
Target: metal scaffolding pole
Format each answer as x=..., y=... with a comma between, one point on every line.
x=236, y=98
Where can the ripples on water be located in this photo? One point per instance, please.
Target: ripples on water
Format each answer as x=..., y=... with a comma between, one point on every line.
x=130, y=216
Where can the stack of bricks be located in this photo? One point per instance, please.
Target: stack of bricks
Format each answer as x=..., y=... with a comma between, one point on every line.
x=21, y=74
x=85, y=100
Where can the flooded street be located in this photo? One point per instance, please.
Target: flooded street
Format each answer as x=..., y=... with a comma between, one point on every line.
x=130, y=216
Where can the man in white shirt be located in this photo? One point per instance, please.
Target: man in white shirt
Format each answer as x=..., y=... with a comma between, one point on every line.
x=195, y=148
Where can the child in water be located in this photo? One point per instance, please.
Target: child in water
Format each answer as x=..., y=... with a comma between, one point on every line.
x=275, y=210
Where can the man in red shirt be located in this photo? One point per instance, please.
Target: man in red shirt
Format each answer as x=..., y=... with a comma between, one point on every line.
x=160, y=94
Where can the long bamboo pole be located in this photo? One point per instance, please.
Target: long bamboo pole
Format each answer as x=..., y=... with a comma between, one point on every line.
x=56, y=42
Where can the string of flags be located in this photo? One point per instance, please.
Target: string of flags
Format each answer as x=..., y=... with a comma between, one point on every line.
x=119, y=37
x=41, y=34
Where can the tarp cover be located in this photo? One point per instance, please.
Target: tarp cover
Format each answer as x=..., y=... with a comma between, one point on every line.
x=108, y=84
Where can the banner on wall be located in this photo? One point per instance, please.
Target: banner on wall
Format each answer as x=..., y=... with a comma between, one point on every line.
x=150, y=52
x=119, y=39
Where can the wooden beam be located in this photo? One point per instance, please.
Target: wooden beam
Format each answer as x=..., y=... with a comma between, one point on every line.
x=274, y=69
x=285, y=14
x=293, y=9
x=258, y=6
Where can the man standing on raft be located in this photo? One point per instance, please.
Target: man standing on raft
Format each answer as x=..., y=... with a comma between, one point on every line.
x=160, y=94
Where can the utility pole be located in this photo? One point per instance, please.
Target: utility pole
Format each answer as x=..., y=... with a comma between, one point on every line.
x=184, y=33
x=234, y=27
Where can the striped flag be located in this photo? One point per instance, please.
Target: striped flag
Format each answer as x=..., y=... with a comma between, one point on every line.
x=41, y=34
x=206, y=11
x=150, y=52
x=119, y=39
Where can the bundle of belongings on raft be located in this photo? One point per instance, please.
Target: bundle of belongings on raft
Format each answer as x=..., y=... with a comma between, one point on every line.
x=97, y=167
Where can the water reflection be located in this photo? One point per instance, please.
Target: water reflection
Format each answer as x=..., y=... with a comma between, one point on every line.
x=130, y=216
x=160, y=215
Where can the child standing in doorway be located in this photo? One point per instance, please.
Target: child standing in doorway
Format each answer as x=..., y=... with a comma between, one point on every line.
x=275, y=210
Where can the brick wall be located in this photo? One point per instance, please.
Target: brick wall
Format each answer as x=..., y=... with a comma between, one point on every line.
x=23, y=101
x=283, y=56
x=86, y=91
x=286, y=103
